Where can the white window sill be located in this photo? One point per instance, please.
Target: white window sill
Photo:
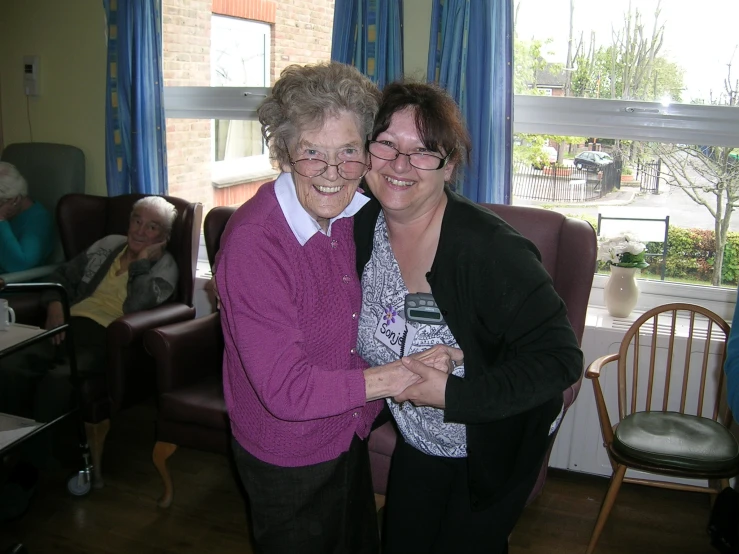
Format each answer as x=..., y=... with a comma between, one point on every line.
x=656, y=293
x=228, y=173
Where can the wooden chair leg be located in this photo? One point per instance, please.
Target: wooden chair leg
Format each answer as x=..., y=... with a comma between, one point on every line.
x=96, y=433
x=162, y=452
x=605, y=509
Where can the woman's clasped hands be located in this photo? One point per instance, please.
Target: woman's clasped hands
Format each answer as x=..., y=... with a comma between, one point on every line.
x=426, y=374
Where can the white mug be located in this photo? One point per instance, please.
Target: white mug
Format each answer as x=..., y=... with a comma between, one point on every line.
x=7, y=315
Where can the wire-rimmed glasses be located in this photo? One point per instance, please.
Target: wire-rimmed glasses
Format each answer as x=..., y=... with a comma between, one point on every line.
x=420, y=160
x=313, y=167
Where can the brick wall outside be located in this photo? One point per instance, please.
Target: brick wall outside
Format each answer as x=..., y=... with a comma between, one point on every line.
x=186, y=62
x=300, y=33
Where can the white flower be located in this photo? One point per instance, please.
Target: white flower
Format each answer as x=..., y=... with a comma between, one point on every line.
x=634, y=247
x=611, y=249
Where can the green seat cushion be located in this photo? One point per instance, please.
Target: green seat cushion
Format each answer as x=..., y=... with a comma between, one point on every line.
x=676, y=441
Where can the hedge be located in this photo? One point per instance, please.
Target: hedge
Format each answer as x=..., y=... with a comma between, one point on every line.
x=690, y=255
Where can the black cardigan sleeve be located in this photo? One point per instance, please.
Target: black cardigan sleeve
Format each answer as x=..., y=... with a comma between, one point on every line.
x=516, y=324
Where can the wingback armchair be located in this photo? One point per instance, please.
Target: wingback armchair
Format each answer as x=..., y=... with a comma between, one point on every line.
x=568, y=250
x=51, y=171
x=189, y=358
x=129, y=374
x=192, y=411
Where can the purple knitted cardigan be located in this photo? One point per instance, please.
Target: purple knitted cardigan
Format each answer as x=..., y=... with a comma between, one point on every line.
x=292, y=380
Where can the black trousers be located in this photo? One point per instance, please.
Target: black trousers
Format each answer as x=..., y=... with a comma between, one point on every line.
x=326, y=508
x=428, y=508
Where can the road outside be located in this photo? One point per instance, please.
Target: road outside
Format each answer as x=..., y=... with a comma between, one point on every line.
x=682, y=210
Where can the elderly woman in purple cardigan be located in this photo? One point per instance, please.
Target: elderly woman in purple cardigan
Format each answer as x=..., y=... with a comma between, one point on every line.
x=300, y=399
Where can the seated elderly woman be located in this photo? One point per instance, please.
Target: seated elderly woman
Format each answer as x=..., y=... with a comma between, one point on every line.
x=26, y=229
x=115, y=276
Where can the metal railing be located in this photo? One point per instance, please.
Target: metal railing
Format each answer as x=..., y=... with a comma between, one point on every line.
x=563, y=184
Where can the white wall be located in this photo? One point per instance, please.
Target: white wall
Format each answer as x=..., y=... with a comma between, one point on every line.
x=416, y=27
x=69, y=38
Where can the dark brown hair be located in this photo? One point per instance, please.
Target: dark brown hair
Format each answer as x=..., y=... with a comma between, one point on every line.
x=438, y=119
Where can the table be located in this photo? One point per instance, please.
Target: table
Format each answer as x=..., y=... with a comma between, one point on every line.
x=16, y=334
x=15, y=430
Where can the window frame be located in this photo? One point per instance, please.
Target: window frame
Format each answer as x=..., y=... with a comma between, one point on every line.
x=645, y=121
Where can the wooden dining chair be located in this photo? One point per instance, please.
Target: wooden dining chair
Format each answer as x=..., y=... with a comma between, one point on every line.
x=672, y=414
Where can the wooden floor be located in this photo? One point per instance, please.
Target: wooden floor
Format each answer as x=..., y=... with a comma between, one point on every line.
x=208, y=513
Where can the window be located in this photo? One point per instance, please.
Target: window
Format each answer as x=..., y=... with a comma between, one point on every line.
x=220, y=57
x=645, y=119
x=239, y=56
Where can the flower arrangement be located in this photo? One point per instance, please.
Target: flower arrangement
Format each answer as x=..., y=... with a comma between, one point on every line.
x=622, y=251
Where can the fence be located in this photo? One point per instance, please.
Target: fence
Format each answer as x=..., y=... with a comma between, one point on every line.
x=564, y=184
x=649, y=173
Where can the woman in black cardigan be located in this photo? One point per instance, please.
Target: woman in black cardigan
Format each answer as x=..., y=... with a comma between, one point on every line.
x=472, y=441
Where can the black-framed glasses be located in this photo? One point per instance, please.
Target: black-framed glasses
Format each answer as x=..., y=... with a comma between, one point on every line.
x=312, y=167
x=420, y=160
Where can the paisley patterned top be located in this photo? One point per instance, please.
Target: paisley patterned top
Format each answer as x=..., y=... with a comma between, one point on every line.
x=383, y=299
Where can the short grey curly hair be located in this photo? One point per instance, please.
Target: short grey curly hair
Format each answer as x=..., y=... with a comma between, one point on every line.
x=304, y=96
x=12, y=183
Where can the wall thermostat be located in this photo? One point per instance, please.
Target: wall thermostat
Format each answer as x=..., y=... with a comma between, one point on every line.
x=30, y=75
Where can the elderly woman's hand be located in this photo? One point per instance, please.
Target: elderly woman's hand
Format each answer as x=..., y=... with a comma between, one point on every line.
x=153, y=252
x=429, y=391
x=441, y=357
x=55, y=318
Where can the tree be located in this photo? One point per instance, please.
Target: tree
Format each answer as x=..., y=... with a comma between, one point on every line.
x=709, y=176
x=630, y=67
x=529, y=63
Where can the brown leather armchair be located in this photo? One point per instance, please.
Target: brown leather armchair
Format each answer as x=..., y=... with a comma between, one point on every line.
x=189, y=359
x=83, y=219
x=189, y=354
x=568, y=250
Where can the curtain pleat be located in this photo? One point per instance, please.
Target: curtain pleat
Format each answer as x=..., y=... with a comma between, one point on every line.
x=368, y=35
x=135, y=127
x=470, y=55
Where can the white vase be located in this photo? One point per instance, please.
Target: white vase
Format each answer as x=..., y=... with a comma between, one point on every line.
x=621, y=291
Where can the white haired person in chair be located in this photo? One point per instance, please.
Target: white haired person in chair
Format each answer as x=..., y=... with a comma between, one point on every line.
x=117, y=275
x=26, y=228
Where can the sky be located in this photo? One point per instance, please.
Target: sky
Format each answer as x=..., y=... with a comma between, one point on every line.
x=700, y=36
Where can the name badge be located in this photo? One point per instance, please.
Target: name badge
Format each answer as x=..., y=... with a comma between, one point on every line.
x=394, y=333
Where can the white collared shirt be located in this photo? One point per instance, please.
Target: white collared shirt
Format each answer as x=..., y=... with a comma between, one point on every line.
x=301, y=223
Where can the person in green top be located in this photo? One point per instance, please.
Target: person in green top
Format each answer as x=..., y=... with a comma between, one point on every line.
x=26, y=229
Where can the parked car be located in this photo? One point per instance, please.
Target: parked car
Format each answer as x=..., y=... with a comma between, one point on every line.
x=547, y=156
x=592, y=160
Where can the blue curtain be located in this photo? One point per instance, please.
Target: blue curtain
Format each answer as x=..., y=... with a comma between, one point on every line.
x=471, y=56
x=135, y=128
x=367, y=34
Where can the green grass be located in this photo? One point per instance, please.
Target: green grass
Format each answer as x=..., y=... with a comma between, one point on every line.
x=684, y=281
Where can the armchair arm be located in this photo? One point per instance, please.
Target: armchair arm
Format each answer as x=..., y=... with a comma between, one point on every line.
x=186, y=352
x=124, y=330
x=593, y=370
x=593, y=373
x=29, y=275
